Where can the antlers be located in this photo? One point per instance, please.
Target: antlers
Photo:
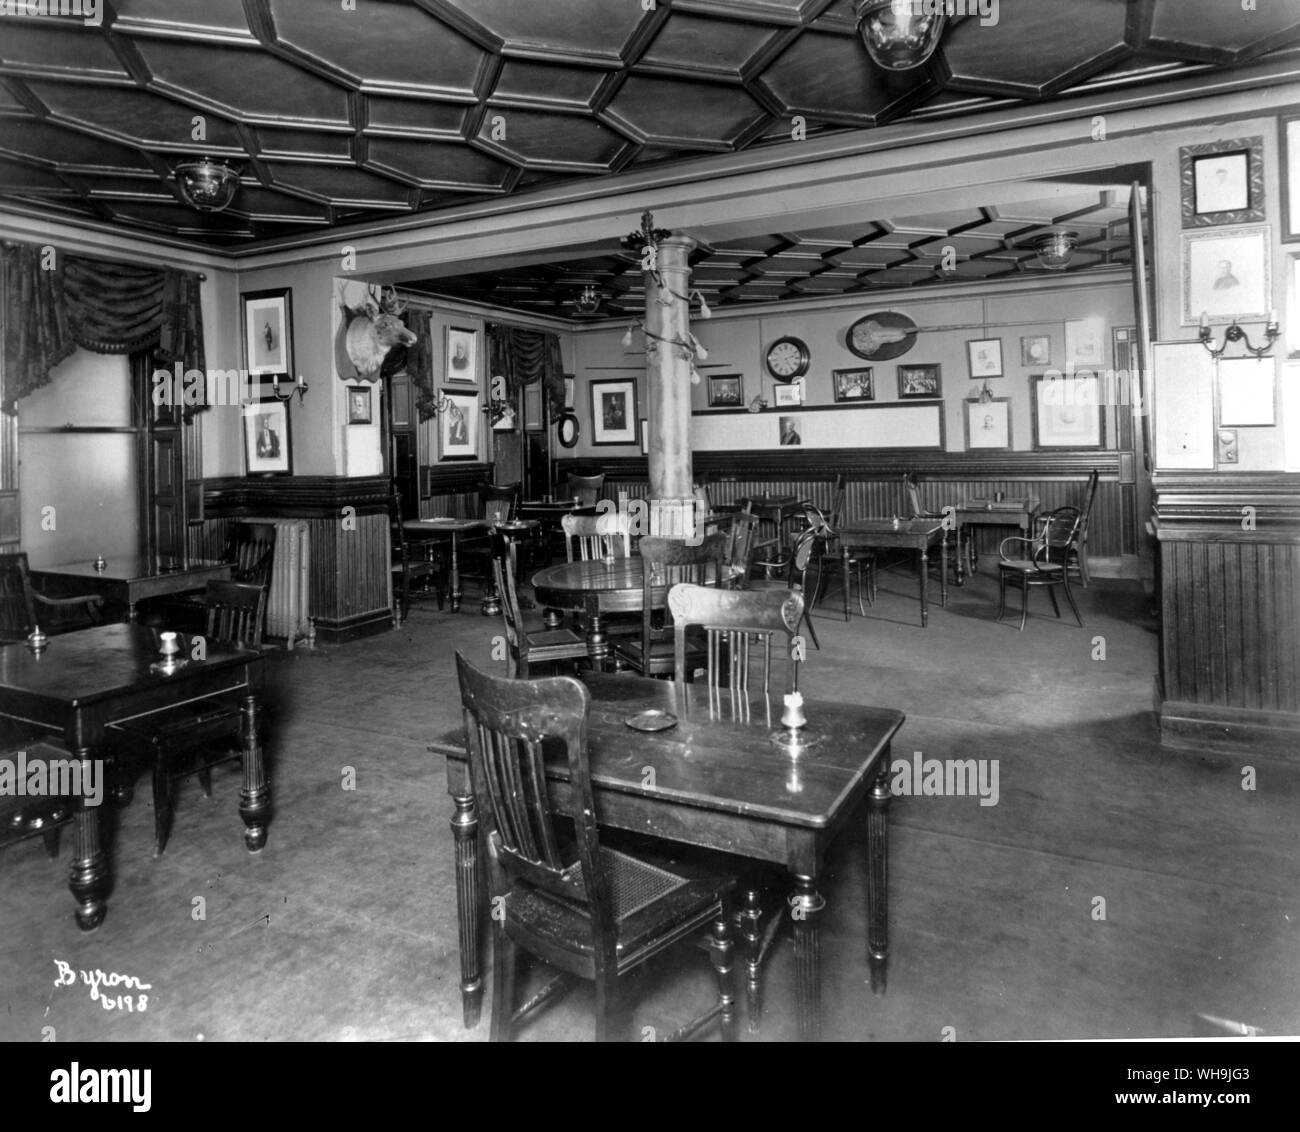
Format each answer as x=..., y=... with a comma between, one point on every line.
x=384, y=299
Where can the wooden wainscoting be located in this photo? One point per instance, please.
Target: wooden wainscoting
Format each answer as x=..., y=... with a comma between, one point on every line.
x=1230, y=611
x=348, y=530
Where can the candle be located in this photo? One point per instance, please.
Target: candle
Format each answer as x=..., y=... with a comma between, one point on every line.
x=1205, y=321
x=1272, y=317
x=302, y=382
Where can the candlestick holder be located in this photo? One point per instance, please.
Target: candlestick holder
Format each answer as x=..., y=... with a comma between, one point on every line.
x=794, y=736
x=36, y=640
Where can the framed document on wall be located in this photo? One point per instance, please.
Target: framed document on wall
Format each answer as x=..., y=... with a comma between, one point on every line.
x=988, y=423
x=1066, y=410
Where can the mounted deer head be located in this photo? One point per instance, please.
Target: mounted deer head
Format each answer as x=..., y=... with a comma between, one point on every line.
x=374, y=328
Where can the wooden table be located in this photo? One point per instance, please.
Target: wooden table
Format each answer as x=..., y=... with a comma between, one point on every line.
x=450, y=529
x=82, y=682
x=912, y=534
x=776, y=509
x=719, y=782
x=1019, y=512
x=130, y=580
x=597, y=588
x=515, y=531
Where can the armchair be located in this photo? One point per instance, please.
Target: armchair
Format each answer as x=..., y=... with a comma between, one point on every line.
x=1040, y=561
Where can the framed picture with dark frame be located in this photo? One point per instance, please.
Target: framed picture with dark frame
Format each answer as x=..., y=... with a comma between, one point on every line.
x=919, y=381
x=359, y=404
x=1036, y=350
x=458, y=426
x=1289, y=147
x=853, y=384
x=988, y=423
x=268, y=332
x=984, y=356
x=613, y=411
x=267, y=447
x=1222, y=182
x=1065, y=410
x=726, y=390
x=462, y=355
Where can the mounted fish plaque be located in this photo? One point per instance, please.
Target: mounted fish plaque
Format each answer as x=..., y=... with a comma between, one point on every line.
x=882, y=335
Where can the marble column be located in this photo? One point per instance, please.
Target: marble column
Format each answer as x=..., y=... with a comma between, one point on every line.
x=668, y=377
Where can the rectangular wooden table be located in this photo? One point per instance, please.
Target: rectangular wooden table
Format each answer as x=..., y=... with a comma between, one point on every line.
x=715, y=780
x=81, y=683
x=913, y=534
x=1018, y=512
x=129, y=580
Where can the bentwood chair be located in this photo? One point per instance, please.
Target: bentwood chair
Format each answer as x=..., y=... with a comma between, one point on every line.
x=740, y=628
x=1041, y=561
x=525, y=648
x=22, y=608
x=666, y=562
x=584, y=908
x=803, y=559
x=497, y=504
x=858, y=563
x=586, y=489
x=235, y=615
x=1078, y=560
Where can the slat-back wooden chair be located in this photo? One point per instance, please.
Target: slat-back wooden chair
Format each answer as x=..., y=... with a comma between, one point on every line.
x=525, y=648
x=586, y=909
x=22, y=608
x=1041, y=561
x=411, y=562
x=665, y=563
x=588, y=537
x=741, y=627
x=586, y=489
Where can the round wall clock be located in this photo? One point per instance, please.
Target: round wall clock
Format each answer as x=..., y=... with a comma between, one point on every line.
x=788, y=358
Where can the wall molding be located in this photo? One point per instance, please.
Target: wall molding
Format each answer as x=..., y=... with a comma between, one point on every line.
x=1210, y=507
x=295, y=497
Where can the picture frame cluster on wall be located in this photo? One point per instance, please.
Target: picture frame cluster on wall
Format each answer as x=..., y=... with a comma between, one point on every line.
x=267, y=318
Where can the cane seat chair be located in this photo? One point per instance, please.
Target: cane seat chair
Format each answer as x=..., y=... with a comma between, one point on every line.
x=1040, y=562
x=527, y=647
x=582, y=907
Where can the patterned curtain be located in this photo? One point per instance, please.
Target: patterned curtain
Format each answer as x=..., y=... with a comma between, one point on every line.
x=524, y=357
x=56, y=302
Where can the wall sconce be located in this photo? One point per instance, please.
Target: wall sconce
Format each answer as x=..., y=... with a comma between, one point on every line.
x=207, y=185
x=1054, y=249
x=898, y=37
x=1235, y=333
x=985, y=394
x=300, y=388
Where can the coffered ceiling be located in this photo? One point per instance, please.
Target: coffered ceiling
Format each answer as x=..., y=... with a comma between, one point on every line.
x=399, y=107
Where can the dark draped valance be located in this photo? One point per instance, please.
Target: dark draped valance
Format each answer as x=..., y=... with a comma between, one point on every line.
x=524, y=357
x=55, y=302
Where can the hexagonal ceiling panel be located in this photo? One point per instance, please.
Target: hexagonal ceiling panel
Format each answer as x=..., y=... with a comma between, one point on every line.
x=335, y=116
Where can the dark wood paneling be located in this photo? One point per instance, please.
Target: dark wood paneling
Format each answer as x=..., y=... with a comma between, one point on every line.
x=1230, y=609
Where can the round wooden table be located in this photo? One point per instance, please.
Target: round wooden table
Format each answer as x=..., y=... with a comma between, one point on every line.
x=452, y=529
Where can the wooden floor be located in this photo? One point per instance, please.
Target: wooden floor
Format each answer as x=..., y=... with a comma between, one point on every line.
x=1114, y=890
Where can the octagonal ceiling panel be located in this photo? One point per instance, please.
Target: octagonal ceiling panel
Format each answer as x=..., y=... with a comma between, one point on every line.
x=137, y=117
x=720, y=48
x=244, y=83
x=416, y=116
x=303, y=145
x=340, y=185
x=48, y=48
x=828, y=77
x=561, y=141
x=590, y=29
x=1222, y=33
x=381, y=45
x=223, y=18
x=686, y=114
x=15, y=176
x=439, y=165
x=1070, y=42
x=525, y=83
x=43, y=141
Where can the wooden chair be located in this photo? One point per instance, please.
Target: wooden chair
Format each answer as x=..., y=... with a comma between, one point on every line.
x=250, y=547
x=588, y=537
x=236, y=615
x=591, y=911
x=1042, y=562
x=805, y=558
x=859, y=564
x=915, y=510
x=741, y=529
x=1078, y=560
x=666, y=563
x=739, y=628
x=497, y=504
x=22, y=608
x=23, y=816
x=408, y=565
x=586, y=489
x=527, y=648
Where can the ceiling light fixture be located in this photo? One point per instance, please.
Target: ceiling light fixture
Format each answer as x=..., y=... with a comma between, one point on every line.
x=588, y=300
x=1054, y=249
x=900, y=34
x=207, y=185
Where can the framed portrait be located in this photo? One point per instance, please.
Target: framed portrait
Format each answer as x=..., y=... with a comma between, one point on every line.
x=918, y=381
x=1227, y=275
x=726, y=390
x=1036, y=350
x=988, y=423
x=358, y=404
x=1066, y=410
x=984, y=356
x=1228, y=453
x=462, y=355
x=1085, y=342
x=853, y=384
x=613, y=411
x=533, y=415
x=1290, y=150
x=268, y=332
x=787, y=396
x=1247, y=392
x=266, y=438
x=789, y=430
x=458, y=426
x=1222, y=182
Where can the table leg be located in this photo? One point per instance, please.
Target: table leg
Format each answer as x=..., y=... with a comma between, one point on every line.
x=960, y=555
x=943, y=570
x=455, y=574
x=255, y=797
x=925, y=586
x=597, y=641
x=806, y=907
x=464, y=832
x=878, y=875
x=844, y=577
x=88, y=877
